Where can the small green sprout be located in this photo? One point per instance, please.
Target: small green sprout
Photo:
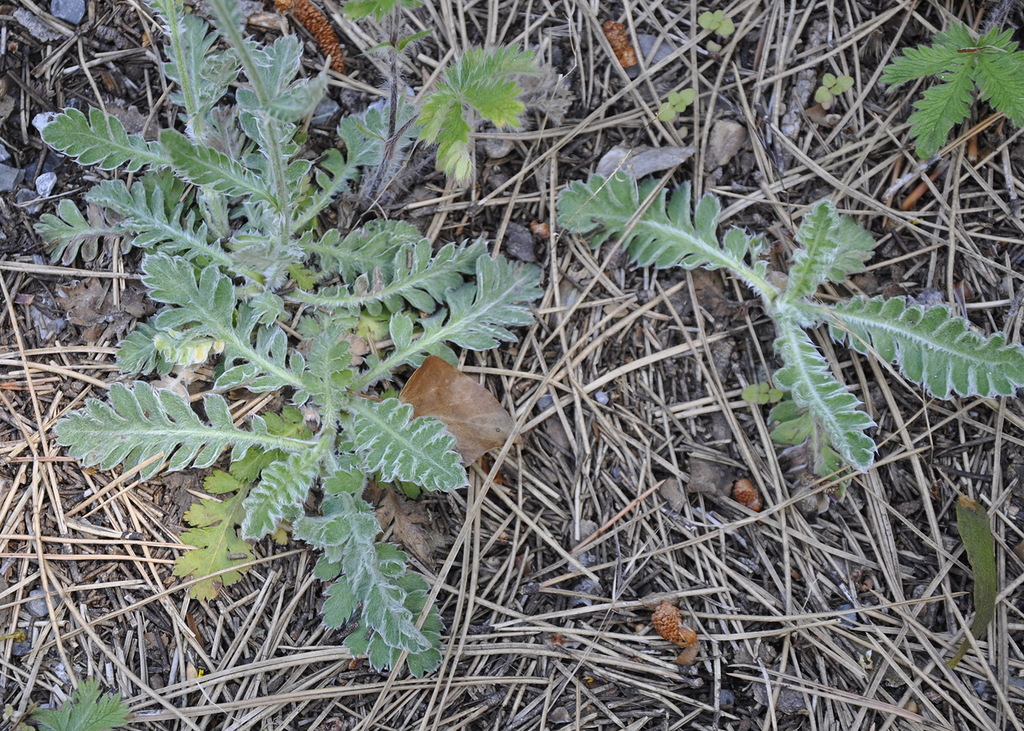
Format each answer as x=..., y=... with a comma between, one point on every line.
x=761, y=393
x=831, y=87
x=717, y=22
x=677, y=103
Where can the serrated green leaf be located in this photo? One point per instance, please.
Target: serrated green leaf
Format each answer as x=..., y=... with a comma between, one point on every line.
x=86, y=710
x=972, y=522
x=142, y=422
x=931, y=346
x=481, y=80
x=399, y=447
x=939, y=108
x=837, y=411
x=100, y=140
x=214, y=536
x=833, y=248
x=663, y=234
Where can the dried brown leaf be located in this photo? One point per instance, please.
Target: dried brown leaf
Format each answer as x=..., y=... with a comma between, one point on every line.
x=473, y=416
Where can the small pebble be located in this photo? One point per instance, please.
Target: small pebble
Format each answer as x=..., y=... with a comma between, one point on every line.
x=545, y=401
x=36, y=605
x=45, y=183
x=324, y=111
x=9, y=177
x=601, y=397
x=70, y=10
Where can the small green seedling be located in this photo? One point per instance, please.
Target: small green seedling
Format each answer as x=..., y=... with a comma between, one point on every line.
x=932, y=346
x=831, y=87
x=677, y=103
x=761, y=393
x=716, y=22
x=991, y=64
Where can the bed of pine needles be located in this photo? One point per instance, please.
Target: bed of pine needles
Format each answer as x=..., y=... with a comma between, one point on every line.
x=617, y=495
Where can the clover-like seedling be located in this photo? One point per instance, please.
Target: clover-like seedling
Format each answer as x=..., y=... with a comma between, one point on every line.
x=716, y=22
x=831, y=87
x=676, y=104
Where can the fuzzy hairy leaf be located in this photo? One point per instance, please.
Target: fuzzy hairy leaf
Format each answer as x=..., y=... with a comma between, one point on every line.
x=399, y=447
x=70, y=234
x=142, y=422
x=477, y=318
x=375, y=583
x=205, y=166
x=666, y=234
x=100, y=140
x=932, y=346
x=834, y=247
x=86, y=710
x=482, y=80
x=416, y=275
x=280, y=493
x=837, y=411
x=218, y=546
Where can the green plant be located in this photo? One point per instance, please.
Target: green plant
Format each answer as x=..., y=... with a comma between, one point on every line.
x=677, y=103
x=227, y=214
x=991, y=63
x=85, y=710
x=932, y=346
x=717, y=22
x=831, y=87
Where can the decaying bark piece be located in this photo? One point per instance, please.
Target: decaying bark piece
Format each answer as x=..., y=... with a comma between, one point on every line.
x=313, y=19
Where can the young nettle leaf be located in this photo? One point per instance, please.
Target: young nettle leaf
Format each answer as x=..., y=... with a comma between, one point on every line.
x=991, y=63
x=480, y=80
x=86, y=710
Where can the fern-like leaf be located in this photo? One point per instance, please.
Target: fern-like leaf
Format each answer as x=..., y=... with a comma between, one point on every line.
x=100, y=140
x=834, y=247
x=931, y=346
x=70, y=234
x=666, y=234
x=837, y=411
x=206, y=166
x=143, y=422
x=374, y=583
x=399, y=447
x=961, y=62
x=416, y=275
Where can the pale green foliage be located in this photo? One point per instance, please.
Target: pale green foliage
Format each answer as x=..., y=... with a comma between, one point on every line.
x=717, y=22
x=86, y=710
x=991, y=63
x=831, y=87
x=357, y=9
x=676, y=104
x=481, y=80
x=227, y=215
x=930, y=345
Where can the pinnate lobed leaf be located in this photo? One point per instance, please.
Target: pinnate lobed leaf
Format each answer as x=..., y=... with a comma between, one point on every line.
x=100, y=140
x=931, y=346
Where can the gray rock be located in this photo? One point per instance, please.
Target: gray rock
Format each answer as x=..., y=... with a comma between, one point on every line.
x=9, y=177
x=70, y=10
x=45, y=183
